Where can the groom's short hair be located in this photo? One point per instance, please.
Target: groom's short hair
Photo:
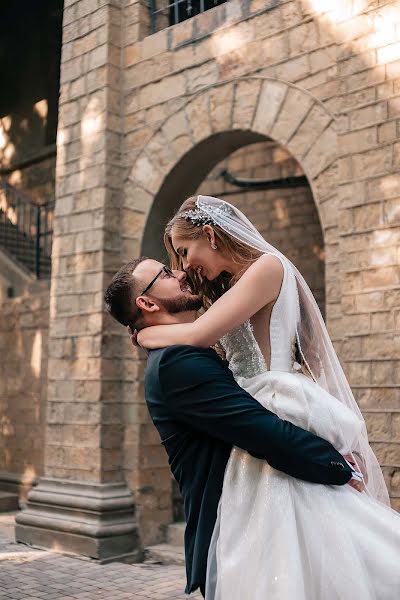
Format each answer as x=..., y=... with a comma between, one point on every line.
x=120, y=296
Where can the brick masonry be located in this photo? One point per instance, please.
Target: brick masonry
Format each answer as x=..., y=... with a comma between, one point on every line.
x=143, y=121
x=24, y=323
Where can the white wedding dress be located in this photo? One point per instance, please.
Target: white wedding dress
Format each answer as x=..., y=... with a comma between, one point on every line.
x=280, y=538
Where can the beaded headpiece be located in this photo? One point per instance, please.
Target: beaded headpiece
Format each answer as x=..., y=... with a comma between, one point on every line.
x=198, y=216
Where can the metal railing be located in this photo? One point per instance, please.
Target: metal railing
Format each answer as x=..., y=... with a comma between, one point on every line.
x=164, y=13
x=26, y=230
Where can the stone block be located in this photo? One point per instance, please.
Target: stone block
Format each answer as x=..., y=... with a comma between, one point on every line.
x=386, y=453
x=357, y=63
x=202, y=76
x=133, y=221
x=86, y=43
x=185, y=56
x=295, y=107
x=322, y=154
x=295, y=69
x=220, y=107
x=358, y=373
x=368, y=115
x=98, y=56
x=391, y=210
x=270, y=101
x=137, y=198
x=308, y=131
x=154, y=44
x=369, y=302
x=145, y=174
x=381, y=322
x=396, y=427
x=85, y=7
x=198, y=115
x=358, y=98
x=322, y=59
x=383, y=187
x=170, y=87
x=387, y=132
x=303, y=38
x=382, y=277
x=394, y=107
x=364, y=79
x=379, y=426
x=131, y=54
x=182, y=33
x=367, y=217
x=245, y=102
x=358, y=141
x=272, y=50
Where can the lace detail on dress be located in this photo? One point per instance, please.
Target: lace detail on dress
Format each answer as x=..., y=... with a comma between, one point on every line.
x=242, y=352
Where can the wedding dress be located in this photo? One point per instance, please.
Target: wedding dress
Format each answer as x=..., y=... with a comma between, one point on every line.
x=280, y=538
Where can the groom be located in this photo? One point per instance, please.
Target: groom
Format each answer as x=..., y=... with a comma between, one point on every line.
x=201, y=412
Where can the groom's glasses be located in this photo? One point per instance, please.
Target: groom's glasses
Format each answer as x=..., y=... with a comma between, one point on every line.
x=165, y=270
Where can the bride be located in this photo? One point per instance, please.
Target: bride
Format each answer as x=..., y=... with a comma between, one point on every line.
x=276, y=537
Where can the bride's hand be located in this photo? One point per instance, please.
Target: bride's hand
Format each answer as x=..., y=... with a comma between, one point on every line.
x=161, y=336
x=144, y=340
x=133, y=336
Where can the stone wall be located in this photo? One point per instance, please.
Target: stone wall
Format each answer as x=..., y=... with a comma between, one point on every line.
x=23, y=387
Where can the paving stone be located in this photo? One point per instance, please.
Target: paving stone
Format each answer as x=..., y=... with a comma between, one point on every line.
x=29, y=574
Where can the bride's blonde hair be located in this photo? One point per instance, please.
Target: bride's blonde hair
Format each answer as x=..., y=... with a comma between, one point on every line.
x=239, y=253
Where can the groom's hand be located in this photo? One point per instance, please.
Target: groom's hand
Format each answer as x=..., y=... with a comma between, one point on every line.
x=357, y=485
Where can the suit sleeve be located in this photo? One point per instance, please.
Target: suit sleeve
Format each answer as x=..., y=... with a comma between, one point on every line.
x=201, y=393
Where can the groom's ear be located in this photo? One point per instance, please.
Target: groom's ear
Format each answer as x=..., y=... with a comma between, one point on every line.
x=146, y=304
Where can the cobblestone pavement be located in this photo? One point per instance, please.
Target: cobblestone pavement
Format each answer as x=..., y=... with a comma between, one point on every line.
x=29, y=574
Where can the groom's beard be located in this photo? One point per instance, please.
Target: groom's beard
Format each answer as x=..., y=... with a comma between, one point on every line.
x=181, y=304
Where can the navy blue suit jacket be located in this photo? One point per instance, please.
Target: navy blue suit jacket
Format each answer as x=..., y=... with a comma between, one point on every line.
x=200, y=413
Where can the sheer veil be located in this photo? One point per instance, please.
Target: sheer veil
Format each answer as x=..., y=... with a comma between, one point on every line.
x=312, y=337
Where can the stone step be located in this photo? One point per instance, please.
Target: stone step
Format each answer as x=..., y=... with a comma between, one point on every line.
x=8, y=501
x=172, y=552
x=164, y=554
x=175, y=534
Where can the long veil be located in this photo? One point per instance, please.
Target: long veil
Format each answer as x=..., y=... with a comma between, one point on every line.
x=312, y=337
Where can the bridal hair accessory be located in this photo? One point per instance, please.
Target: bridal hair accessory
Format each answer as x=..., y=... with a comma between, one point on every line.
x=198, y=216
x=302, y=321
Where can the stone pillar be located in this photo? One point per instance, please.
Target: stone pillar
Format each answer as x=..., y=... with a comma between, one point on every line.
x=82, y=504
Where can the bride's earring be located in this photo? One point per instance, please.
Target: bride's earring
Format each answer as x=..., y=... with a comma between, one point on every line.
x=213, y=246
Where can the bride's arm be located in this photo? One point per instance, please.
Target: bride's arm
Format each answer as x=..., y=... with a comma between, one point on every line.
x=257, y=287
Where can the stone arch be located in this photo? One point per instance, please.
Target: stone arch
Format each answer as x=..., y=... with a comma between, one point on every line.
x=224, y=118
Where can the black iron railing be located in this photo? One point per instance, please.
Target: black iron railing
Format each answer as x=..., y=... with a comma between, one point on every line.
x=164, y=13
x=26, y=230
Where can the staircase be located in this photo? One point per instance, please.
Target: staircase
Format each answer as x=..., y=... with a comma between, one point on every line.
x=25, y=231
x=170, y=553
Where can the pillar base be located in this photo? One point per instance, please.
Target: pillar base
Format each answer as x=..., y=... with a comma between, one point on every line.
x=92, y=520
